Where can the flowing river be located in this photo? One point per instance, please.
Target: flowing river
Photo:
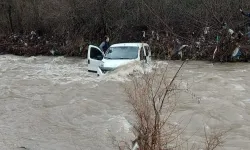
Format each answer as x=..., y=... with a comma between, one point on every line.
x=53, y=103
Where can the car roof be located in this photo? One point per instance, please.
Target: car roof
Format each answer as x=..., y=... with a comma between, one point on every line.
x=128, y=44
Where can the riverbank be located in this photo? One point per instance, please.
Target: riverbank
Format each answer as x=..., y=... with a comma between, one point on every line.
x=33, y=45
x=163, y=49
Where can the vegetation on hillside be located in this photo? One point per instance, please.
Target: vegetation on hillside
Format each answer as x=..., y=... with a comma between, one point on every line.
x=66, y=27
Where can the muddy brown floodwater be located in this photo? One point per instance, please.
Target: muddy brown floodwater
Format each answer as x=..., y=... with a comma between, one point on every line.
x=53, y=103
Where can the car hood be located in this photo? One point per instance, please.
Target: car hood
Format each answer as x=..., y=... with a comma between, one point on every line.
x=114, y=63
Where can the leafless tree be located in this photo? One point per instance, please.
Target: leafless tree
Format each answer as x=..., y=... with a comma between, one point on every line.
x=153, y=101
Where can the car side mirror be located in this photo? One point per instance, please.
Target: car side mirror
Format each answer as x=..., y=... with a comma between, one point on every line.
x=99, y=57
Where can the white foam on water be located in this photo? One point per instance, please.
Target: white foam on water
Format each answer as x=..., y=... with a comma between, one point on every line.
x=207, y=127
x=31, y=59
x=247, y=100
x=122, y=73
x=236, y=79
x=121, y=123
x=238, y=87
x=242, y=71
x=161, y=63
x=241, y=117
x=59, y=71
x=241, y=104
x=10, y=58
x=59, y=59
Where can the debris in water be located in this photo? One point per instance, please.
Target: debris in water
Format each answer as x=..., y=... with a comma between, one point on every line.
x=52, y=52
x=236, y=53
x=22, y=147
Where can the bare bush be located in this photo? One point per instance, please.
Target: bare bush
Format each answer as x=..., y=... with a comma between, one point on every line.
x=153, y=101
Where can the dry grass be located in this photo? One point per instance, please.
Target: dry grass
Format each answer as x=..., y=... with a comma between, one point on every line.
x=152, y=97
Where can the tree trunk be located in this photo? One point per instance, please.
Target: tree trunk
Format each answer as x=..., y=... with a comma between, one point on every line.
x=103, y=16
x=10, y=17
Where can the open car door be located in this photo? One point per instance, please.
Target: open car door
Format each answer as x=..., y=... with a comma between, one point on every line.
x=95, y=56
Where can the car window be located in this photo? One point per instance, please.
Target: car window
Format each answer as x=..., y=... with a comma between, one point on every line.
x=95, y=53
x=123, y=52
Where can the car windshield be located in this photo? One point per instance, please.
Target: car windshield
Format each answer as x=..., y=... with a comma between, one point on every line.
x=123, y=52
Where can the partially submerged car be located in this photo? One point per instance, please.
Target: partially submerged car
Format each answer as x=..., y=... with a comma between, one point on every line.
x=116, y=56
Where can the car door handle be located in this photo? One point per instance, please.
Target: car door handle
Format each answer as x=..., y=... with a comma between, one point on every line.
x=88, y=61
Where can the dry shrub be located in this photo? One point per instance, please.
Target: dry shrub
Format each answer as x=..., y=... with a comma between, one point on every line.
x=214, y=138
x=152, y=97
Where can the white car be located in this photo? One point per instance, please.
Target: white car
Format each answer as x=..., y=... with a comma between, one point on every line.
x=116, y=56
